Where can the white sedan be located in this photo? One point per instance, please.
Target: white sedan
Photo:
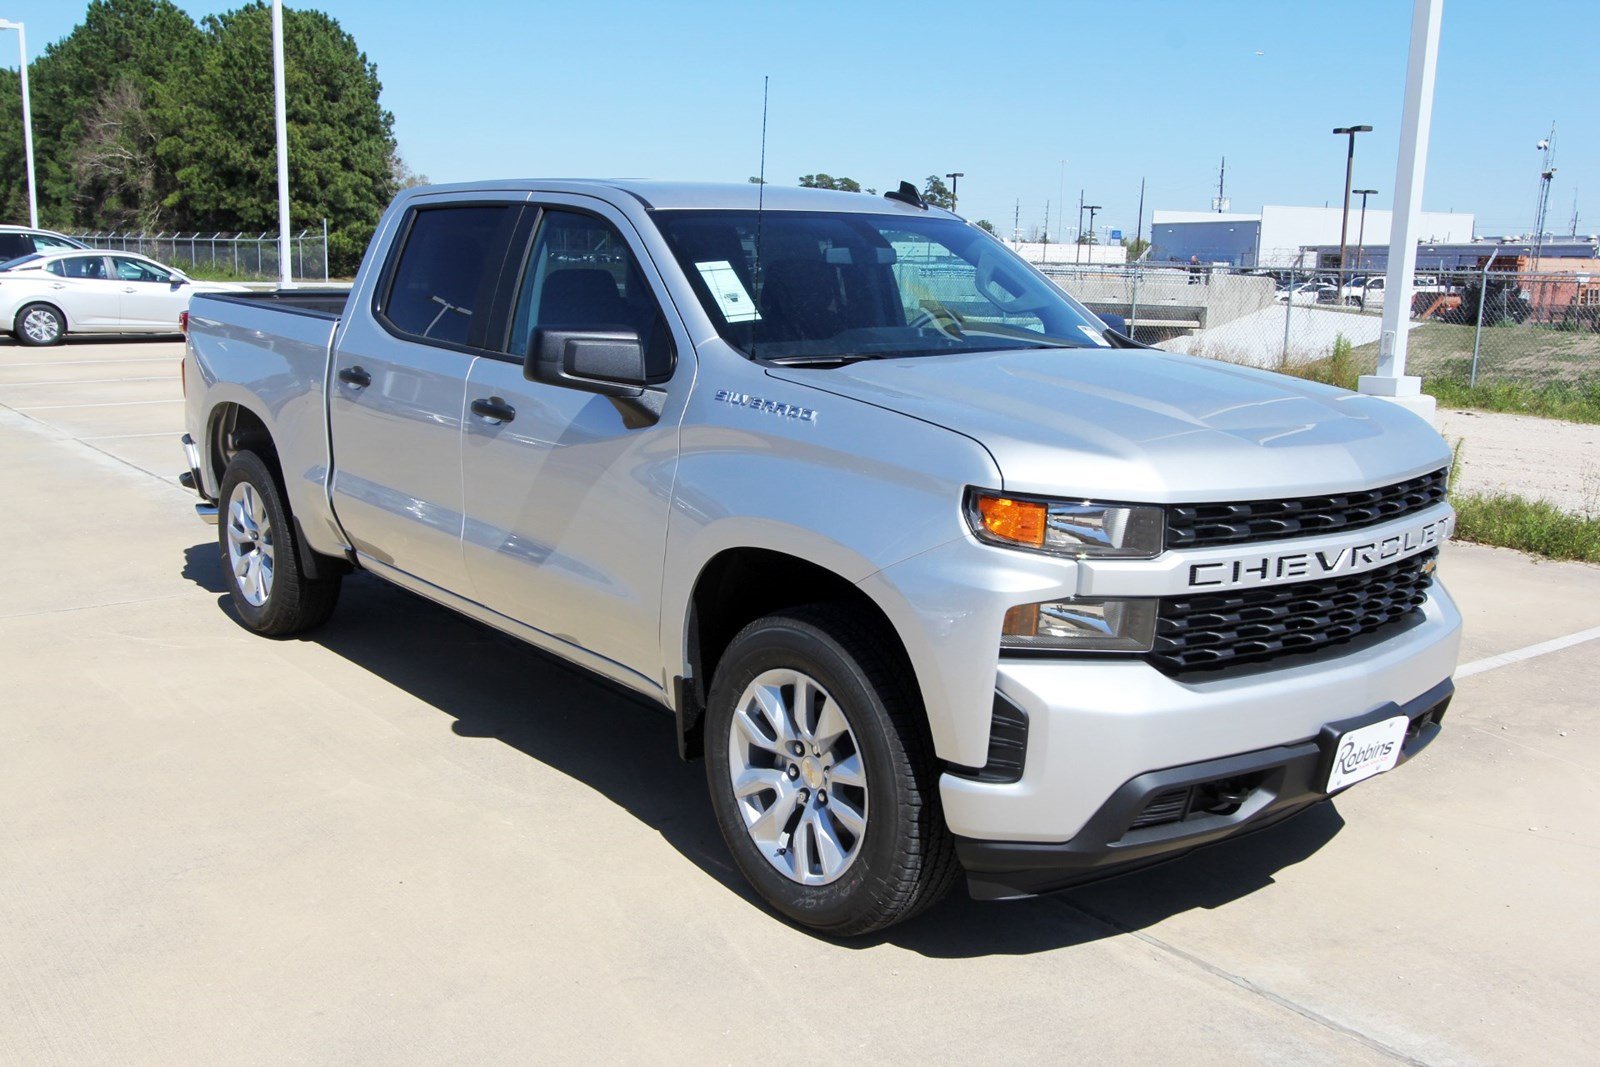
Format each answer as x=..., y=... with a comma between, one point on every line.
x=46, y=296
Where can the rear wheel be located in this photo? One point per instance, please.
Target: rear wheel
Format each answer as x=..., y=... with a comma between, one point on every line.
x=270, y=590
x=821, y=778
x=38, y=325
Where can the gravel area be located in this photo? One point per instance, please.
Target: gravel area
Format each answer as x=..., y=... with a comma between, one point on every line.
x=1531, y=457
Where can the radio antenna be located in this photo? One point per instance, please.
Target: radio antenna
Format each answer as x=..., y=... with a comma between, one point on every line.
x=761, y=197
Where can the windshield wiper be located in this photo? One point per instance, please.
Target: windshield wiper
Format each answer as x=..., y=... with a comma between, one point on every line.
x=818, y=361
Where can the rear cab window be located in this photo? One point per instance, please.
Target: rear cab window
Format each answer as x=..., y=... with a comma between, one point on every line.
x=442, y=279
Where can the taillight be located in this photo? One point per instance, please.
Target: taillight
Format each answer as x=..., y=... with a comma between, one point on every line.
x=183, y=323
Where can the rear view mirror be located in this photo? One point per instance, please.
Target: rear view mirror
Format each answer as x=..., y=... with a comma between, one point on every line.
x=607, y=362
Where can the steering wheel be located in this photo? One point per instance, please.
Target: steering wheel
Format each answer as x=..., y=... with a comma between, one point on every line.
x=989, y=284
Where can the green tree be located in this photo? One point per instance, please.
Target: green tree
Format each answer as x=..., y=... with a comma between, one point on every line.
x=1136, y=246
x=984, y=224
x=341, y=140
x=937, y=193
x=102, y=105
x=828, y=181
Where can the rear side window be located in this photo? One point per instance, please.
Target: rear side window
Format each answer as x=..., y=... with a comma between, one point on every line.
x=444, y=279
x=78, y=267
x=46, y=243
x=13, y=245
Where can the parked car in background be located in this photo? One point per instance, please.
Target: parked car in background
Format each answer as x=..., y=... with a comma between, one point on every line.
x=45, y=296
x=1307, y=293
x=1363, y=292
x=24, y=241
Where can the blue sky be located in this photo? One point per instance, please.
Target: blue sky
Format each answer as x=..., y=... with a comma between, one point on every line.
x=1158, y=89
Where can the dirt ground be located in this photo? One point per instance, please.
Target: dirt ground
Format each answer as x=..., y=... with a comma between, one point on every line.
x=1529, y=456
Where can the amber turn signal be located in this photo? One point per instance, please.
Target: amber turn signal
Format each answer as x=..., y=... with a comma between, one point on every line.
x=1018, y=521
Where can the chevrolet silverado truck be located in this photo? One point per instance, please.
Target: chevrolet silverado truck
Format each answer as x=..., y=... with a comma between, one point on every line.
x=941, y=575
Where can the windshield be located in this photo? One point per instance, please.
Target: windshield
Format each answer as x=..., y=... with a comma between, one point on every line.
x=837, y=287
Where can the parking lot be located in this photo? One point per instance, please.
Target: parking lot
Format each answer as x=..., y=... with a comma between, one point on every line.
x=409, y=838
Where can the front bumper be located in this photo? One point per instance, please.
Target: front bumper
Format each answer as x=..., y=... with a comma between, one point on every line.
x=1096, y=725
x=1162, y=814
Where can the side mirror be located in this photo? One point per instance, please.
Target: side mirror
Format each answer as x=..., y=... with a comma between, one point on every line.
x=1117, y=323
x=607, y=362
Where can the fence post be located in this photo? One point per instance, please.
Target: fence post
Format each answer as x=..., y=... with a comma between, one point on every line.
x=324, y=249
x=1133, y=303
x=1288, y=309
x=1477, y=337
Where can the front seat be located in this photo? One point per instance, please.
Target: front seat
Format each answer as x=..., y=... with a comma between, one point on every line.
x=582, y=298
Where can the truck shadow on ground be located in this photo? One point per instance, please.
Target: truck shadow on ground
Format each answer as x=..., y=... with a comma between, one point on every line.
x=496, y=687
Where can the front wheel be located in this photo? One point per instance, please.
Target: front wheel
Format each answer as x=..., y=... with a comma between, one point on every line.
x=270, y=591
x=820, y=775
x=39, y=325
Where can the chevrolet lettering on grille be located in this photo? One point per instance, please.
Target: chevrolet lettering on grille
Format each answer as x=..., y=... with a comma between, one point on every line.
x=1361, y=554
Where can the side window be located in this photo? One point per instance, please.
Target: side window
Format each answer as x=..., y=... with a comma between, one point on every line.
x=447, y=270
x=79, y=267
x=137, y=270
x=13, y=245
x=45, y=243
x=581, y=275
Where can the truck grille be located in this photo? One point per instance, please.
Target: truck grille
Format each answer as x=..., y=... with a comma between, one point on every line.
x=1201, y=525
x=1212, y=630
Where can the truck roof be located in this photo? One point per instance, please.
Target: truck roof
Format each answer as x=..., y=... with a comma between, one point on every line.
x=659, y=195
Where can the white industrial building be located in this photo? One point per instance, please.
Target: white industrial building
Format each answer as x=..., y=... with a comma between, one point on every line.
x=1281, y=236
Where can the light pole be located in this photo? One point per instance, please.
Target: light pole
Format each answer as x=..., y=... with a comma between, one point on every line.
x=1092, y=209
x=1349, y=169
x=954, y=179
x=27, y=118
x=1361, y=230
x=280, y=109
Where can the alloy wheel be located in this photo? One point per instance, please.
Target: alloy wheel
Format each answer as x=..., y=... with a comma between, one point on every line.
x=250, y=544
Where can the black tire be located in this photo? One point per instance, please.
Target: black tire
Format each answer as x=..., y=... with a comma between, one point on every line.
x=907, y=858
x=47, y=312
x=295, y=603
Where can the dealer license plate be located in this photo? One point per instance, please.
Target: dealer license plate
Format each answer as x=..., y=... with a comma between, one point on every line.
x=1371, y=750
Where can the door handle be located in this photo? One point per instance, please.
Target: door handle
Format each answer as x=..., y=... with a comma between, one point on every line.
x=129, y=289
x=355, y=376
x=57, y=285
x=493, y=409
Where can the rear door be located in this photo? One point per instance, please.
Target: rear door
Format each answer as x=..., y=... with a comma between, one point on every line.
x=83, y=288
x=396, y=399
x=567, y=500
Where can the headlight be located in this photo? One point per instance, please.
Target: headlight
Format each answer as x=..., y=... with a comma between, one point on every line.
x=1066, y=527
x=1082, y=626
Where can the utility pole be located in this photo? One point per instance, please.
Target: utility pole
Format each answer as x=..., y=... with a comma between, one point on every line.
x=1416, y=121
x=1016, y=222
x=281, y=112
x=1546, y=174
x=1044, y=249
x=1138, y=229
x=954, y=180
x=1361, y=231
x=27, y=117
x=1077, y=254
x=1092, y=209
x=1220, y=204
x=1349, y=171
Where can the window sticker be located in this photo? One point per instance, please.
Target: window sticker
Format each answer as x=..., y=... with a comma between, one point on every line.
x=1094, y=335
x=733, y=300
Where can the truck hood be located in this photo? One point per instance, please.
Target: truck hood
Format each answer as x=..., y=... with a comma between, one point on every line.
x=1144, y=425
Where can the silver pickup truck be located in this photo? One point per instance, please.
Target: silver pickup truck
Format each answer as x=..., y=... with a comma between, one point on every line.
x=939, y=573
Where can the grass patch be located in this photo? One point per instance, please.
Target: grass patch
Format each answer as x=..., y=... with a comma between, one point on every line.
x=1534, y=526
x=1572, y=400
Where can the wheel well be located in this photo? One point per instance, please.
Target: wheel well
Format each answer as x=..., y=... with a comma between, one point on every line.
x=234, y=429
x=741, y=585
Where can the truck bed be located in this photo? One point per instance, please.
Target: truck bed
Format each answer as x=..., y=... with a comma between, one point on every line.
x=325, y=303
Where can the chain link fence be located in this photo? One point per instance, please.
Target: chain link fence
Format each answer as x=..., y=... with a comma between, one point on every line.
x=223, y=256
x=1475, y=327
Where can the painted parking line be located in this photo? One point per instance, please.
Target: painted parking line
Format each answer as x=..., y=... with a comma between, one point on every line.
x=88, y=362
x=94, y=381
x=1505, y=659
x=114, y=404
x=129, y=436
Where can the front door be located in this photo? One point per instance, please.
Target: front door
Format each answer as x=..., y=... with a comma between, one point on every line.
x=150, y=296
x=399, y=380
x=567, y=500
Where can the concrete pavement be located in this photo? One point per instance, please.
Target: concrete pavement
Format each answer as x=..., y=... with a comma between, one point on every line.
x=409, y=838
